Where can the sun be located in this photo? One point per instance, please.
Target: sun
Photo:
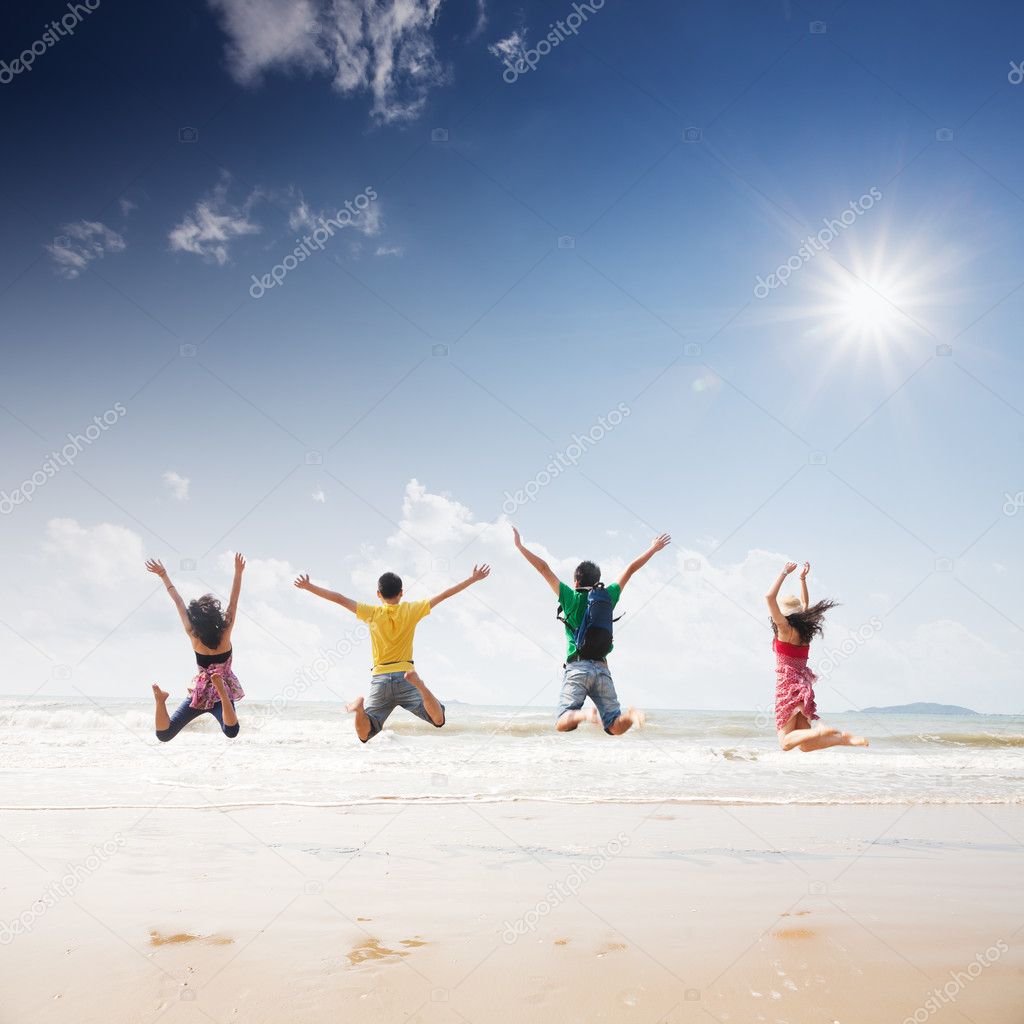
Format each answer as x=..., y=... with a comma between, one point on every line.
x=863, y=310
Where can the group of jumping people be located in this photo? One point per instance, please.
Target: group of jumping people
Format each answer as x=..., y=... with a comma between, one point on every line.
x=586, y=610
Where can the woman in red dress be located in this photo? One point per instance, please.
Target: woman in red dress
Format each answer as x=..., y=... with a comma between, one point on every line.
x=796, y=622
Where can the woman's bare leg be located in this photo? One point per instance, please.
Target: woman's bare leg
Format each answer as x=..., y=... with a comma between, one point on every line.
x=834, y=739
x=430, y=702
x=363, y=723
x=227, y=709
x=798, y=732
x=163, y=720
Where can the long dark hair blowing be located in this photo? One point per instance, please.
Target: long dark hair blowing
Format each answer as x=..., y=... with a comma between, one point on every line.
x=207, y=620
x=809, y=623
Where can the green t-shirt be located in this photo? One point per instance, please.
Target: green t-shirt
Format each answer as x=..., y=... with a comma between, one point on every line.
x=573, y=604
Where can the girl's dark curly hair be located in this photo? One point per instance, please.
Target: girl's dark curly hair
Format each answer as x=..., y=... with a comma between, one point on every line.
x=207, y=620
x=808, y=623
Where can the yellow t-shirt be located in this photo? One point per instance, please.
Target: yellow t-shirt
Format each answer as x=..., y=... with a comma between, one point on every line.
x=391, y=631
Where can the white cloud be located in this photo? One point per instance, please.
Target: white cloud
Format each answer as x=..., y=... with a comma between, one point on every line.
x=389, y=250
x=208, y=230
x=510, y=48
x=82, y=242
x=383, y=47
x=304, y=217
x=178, y=485
x=127, y=206
x=101, y=554
x=301, y=217
x=481, y=18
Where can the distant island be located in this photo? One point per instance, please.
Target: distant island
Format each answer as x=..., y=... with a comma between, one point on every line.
x=921, y=708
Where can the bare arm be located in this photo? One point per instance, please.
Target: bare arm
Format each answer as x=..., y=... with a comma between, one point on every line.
x=772, y=597
x=480, y=572
x=537, y=562
x=328, y=595
x=804, y=596
x=236, y=589
x=157, y=568
x=658, y=544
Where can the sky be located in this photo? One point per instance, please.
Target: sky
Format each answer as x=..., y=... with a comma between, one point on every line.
x=750, y=274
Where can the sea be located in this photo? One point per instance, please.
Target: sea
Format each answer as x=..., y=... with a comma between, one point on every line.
x=80, y=753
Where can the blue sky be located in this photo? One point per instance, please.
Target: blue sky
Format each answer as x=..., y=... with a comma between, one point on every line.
x=538, y=253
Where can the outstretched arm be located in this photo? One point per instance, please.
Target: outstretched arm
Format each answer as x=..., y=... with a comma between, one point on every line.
x=772, y=597
x=657, y=545
x=480, y=572
x=804, y=596
x=328, y=595
x=537, y=562
x=236, y=589
x=157, y=568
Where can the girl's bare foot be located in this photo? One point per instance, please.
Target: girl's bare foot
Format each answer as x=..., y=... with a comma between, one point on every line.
x=850, y=740
x=160, y=695
x=355, y=705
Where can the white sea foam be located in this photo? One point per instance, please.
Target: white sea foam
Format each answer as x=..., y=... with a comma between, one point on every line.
x=85, y=755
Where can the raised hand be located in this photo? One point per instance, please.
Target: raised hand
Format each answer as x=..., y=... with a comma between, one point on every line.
x=156, y=566
x=518, y=539
x=481, y=572
x=302, y=582
x=790, y=566
x=239, y=562
x=661, y=542
x=805, y=570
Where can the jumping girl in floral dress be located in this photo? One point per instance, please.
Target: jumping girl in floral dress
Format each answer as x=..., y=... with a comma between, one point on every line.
x=215, y=687
x=796, y=622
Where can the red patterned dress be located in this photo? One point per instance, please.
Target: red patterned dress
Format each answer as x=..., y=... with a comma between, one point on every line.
x=794, y=683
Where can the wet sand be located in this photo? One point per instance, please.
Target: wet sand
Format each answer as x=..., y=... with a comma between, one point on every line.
x=531, y=912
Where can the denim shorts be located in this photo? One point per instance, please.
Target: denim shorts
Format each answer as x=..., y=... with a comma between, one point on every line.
x=583, y=679
x=391, y=691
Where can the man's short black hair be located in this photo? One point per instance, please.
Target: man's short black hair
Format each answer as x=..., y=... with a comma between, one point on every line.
x=587, y=575
x=389, y=585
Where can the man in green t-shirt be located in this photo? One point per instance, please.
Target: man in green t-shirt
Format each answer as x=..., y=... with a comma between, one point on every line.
x=583, y=677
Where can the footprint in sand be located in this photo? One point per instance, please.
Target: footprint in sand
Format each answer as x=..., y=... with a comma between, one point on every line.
x=793, y=933
x=561, y=942
x=157, y=938
x=610, y=947
x=371, y=949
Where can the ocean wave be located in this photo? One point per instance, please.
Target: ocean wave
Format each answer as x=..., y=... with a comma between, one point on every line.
x=986, y=740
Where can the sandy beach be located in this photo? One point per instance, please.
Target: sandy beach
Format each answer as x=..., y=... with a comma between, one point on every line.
x=514, y=911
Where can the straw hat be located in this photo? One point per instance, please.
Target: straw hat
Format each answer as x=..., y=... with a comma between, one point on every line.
x=791, y=604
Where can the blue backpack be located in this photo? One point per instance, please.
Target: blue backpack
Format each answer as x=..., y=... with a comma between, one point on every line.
x=593, y=637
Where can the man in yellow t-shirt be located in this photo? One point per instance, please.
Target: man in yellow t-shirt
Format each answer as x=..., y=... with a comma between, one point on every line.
x=392, y=623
